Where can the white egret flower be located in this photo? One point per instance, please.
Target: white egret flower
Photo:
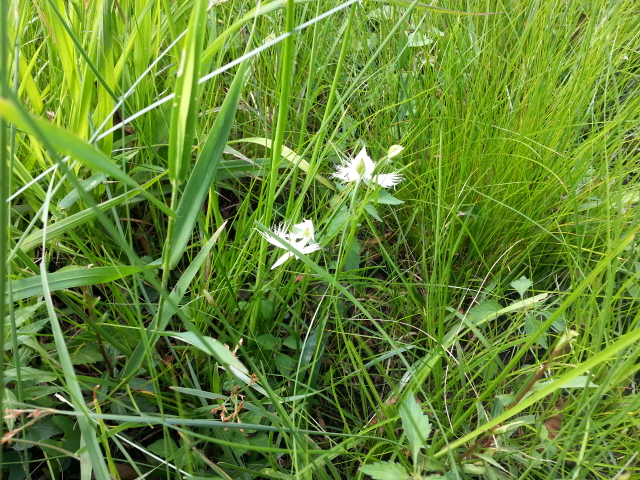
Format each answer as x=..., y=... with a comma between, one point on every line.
x=301, y=237
x=361, y=168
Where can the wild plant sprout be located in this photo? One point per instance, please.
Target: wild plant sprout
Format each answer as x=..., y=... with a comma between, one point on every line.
x=301, y=237
x=362, y=169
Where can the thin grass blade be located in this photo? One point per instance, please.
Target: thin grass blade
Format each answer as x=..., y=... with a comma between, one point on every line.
x=205, y=170
x=185, y=103
x=67, y=143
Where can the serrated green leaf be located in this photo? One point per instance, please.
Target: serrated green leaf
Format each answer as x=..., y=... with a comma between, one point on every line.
x=386, y=198
x=385, y=471
x=522, y=285
x=337, y=222
x=416, y=424
x=371, y=210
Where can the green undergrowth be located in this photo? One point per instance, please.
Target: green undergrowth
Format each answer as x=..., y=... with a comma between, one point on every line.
x=462, y=304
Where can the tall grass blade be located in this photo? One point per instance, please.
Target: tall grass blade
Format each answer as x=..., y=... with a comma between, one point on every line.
x=204, y=171
x=185, y=102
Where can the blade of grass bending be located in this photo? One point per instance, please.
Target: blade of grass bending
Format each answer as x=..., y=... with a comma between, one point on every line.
x=171, y=306
x=204, y=171
x=87, y=428
x=80, y=277
x=292, y=157
x=185, y=105
x=59, y=228
x=69, y=144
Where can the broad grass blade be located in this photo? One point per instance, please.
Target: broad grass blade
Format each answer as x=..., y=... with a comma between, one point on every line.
x=185, y=103
x=78, y=277
x=204, y=172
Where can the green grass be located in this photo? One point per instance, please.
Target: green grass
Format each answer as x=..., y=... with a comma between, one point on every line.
x=144, y=330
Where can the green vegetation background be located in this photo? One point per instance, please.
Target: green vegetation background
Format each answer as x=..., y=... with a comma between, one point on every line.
x=429, y=343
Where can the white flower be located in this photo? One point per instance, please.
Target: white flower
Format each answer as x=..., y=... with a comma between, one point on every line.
x=361, y=168
x=301, y=237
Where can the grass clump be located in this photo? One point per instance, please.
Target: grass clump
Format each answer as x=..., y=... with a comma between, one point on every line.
x=322, y=240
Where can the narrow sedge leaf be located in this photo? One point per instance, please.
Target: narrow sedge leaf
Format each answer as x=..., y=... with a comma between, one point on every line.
x=204, y=171
x=185, y=103
x=290, y=156
x=213, y=347
x=385, y=471
x=77, y=277
x=581, y=381
x=87, y=185
x=74, y=147
x=416, y=425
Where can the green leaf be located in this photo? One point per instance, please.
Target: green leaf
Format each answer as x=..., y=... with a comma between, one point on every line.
x=29, y=374
x=185, y=103
x=522, y=285
x=289, y=155
x=371, y=210
x=211, y=346
x=581, y=381
x=353, y=257
x=385, y=471
x=337, y=222
x=484, y=310
x=386, y=198
x=533, y=326
x=78, y=277
x=87, y=185
x=67, y=143
x=416, y=425
x=164, y=447
x=204, y=171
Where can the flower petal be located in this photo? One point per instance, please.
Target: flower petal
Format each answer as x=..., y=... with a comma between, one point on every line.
x=282, y=259
x=369, y=165
x=302, y=231
x=386, y=180
x=346, y=173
